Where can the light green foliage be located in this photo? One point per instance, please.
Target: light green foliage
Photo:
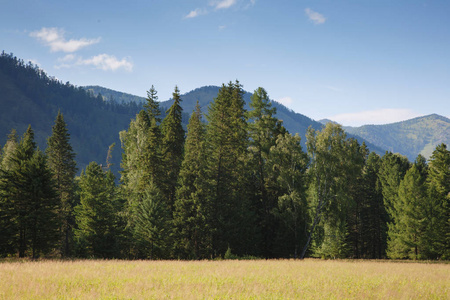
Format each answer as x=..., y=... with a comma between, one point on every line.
x=335, y=164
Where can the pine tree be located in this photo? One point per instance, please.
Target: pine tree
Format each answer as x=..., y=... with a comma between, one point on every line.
x=152, y=105
x=192, y=216
x=152, y=224
x=97, y=214
x=61, y=160
x=227, y=143
x=373, y=217
x=42, y=218
x=263, y=129
x=438, y=207
x=29, y=198
x=172, y=144
x=406, y=230
x=8, y=224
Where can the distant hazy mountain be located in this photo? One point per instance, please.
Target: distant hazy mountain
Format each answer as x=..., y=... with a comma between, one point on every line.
x=410, y=138
x=113, y=96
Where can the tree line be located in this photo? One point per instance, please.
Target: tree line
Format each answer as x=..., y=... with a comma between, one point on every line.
x=235, y=184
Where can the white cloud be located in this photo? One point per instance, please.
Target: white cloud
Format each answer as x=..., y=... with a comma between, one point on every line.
x=195, y=13
x=222, y=27
x=315, y=17
x=54, y=38
x=107, y=62
x=222, y=4
x=376, y=117
x=67, y=58
x=286, y=101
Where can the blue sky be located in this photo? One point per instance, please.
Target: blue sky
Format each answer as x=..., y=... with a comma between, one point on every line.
x=356, y=62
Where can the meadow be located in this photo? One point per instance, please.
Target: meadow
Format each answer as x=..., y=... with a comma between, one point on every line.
x=227, y=279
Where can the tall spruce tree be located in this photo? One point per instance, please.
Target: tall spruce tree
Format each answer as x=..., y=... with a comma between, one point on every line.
x=227, y=143
x=61, y=160
x=192, y=215
x=406, y=229
x=438, y=207
x=372, y=229
x=263, y=129
x=172, y=144
x=29, y=198
x=142, y=163
x=8, y=224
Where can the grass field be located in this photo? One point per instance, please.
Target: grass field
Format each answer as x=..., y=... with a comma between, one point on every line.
x=255, y=279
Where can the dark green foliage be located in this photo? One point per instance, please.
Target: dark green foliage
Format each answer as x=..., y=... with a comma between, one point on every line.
x=30, y=96
x=192, y=215
x=28, y=199
x=61, y=161
x=151, y=220
x=372, y=216
x=227, y=143
x=438, y=206
x=172, y=148
x=288, y=164
x=96, y=216
x=239, y=186
x=263, y=129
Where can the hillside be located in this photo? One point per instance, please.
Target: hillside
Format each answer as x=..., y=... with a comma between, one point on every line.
x=113, y=96
x=29, y=96
x=410, y=138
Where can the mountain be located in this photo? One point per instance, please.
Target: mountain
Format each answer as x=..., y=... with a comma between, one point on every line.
x=29, y=96
x=412, y=137
x=112, y=95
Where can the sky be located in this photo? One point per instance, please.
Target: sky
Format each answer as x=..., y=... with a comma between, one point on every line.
x=352, y=61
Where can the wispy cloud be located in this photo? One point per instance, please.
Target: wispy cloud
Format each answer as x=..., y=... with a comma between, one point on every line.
x=107, y=62
x=223, y=4
x=315, y=17
x=376, y=117
x=103, y=62
x=54, y=38
x=286, y=101
x=215, y=5
x=195, y=13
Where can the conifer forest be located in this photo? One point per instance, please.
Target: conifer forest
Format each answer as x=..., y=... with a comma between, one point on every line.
x=235, y=183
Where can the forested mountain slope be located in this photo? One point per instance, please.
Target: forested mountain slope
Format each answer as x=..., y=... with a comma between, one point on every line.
x=113, y=96
x=412, y=137
x=29, y=96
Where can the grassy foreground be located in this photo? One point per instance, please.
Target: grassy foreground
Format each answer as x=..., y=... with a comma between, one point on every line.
x=258, y=279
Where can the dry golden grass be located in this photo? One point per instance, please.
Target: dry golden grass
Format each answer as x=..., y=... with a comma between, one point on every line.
x=257, y=279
